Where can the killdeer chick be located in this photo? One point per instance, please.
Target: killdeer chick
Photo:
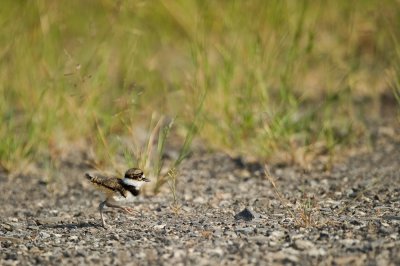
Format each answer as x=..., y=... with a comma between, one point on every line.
x=119, y=191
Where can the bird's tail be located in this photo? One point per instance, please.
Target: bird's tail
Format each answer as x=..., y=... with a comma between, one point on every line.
x=92, y=178
x=89, y=177
x=96, y=179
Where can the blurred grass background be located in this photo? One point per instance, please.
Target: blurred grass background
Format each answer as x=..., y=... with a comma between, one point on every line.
x=277, y=76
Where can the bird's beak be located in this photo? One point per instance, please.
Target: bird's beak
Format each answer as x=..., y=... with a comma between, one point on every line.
x=145, y=179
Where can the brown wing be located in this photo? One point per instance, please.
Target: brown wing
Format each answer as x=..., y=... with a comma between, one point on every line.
x=107, y=184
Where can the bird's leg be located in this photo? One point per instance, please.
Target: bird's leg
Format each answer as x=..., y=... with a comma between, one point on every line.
x=101, y=207
x=125, y=209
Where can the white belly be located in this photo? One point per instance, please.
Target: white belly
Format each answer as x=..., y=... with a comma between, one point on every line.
x=121, y=199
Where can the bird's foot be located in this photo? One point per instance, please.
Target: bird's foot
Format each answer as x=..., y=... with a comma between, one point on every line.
x=128, y=210
x=103, y=223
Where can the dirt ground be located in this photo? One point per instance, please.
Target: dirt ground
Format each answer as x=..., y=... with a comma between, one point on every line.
x=229, y=214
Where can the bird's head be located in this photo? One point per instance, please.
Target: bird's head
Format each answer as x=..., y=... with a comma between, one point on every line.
x=135, y=177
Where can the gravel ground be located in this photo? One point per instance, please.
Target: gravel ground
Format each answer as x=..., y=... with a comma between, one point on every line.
x=229, y=213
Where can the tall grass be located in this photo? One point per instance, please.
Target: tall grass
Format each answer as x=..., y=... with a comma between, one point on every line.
x=279, y=75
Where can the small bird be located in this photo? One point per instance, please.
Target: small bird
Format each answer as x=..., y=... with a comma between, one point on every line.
x=119, y=191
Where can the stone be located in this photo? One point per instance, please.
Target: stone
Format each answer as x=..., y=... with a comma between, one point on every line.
x=245, y=230
x=246, y=215
x=159, y=226
x=301, y=244
x=277, y=235
x=44, y=235
x=316, y=252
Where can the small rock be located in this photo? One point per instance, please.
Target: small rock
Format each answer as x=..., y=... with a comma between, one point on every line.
x=72, y=238
x=281, y=257
x=291, y=251
x=259, y=240
x=391, y=217
x=316, y=252
x=262, y=231
x=261, y=203
x=303, y=244
x=22, y=248
x=11, y=256
x=273, y=244
x=298, y=236
x=34, y=250
x=32, y=227
x=113, y=237
x=349, y=242
x=140, y=255
x=159, y=226
x=49, y=220
x=277, y=235
x=187, y=209
x=218, y=232
x=31, y=222
x=47, y=254
x=385, y=230
x=7, y=226
x=230, y=234
x=323, y=235
x=217, y=251
x=245, y=230
x=44, y=235
x=359, y=259
x=245, y=215
x=351, y=192
x=178, y=254
x=200, y=200
x=224, y=203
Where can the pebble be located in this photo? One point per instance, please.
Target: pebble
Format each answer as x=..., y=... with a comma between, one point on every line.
x=259, y=240
x=44, y=235
x=22, y=247
x=34, y=250
x=218, y=232
x=159, y=226
x=283, y=257
x=216, y=251
x=245, y=230
x=277, y=235
x=246, y=215
x=316, y=252
x=301, y=244
x=200, y=200
x=7, y=226
x=349, y=242
x=230, y=234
